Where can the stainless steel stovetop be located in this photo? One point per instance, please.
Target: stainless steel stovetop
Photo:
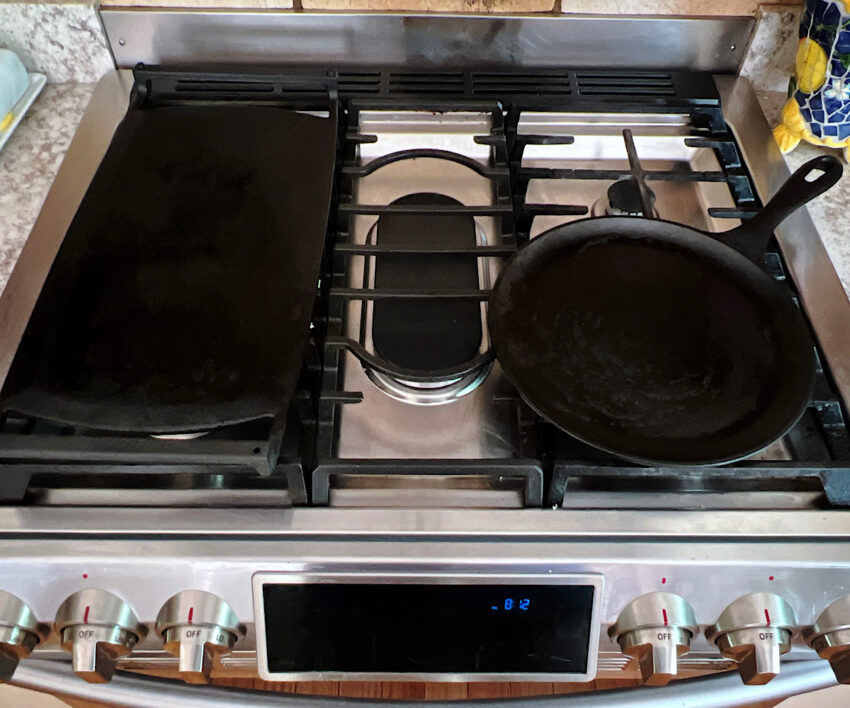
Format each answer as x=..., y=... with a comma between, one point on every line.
x=480, y=500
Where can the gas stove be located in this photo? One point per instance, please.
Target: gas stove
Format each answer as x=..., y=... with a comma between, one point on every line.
x=408, y=484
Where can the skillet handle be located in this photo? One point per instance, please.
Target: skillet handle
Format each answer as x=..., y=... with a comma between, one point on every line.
x=751, y=237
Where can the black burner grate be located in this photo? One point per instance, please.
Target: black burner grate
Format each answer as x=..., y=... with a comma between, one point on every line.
x=819, y=443
x=33, y=454
x=340, y=293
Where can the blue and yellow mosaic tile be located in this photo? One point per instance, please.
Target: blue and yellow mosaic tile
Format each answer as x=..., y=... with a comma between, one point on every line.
x=818, y=110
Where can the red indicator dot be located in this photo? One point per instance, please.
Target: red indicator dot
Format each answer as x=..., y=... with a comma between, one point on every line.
x=191, y=614
x=663, y=581
x=770, y=578
x=85, y=576
x=86, y=615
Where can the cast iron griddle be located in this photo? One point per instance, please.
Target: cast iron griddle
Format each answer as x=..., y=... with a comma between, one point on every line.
x=181, y=296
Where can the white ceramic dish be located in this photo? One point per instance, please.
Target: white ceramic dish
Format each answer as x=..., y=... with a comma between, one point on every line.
x=37, y=82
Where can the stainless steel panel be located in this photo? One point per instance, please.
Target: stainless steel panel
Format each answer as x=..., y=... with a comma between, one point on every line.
x=821, y=292
x=106, y=109
x=660, y=143
x=473, y=426
x=667, y=526
x=434, y=491
x=576, y=41
x=471, y=575
x=709, y=558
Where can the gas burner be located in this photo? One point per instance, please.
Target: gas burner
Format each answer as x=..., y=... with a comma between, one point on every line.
x=426, y=335
x=623, y=199
x=432, y=393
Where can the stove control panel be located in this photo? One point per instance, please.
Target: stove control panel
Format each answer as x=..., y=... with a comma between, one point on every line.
x=656, y=629
x=198, y=627
x=755, y=630
x=97, y=627
x=830, y=637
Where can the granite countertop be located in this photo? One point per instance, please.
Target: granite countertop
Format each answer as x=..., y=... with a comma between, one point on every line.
x=30, y=159
x=29, y=162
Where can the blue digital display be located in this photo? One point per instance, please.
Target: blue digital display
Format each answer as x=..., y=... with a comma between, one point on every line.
x=512, y=604
x=427, y=628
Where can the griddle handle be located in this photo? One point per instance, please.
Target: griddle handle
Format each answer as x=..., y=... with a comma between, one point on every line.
x=751, y=237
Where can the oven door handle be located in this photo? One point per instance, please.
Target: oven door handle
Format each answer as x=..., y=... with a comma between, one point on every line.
x=717, y=691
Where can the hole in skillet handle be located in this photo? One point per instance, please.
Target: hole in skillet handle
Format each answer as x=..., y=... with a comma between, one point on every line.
x=809, y=181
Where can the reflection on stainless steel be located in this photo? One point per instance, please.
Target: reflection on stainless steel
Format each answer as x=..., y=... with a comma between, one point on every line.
x=198, y=496
x=429, y=394
x=660, y=144
x=181, y=436
x=704, y=500
x=381, y=427
x=618, y=200
x=453, y=419
x=428, y=491
x=777, y=450
x=106, y=109
x=374, y=39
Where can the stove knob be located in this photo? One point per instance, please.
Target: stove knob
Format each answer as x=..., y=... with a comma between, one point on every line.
x=754, y=631
x=197, y=626
x=97, y=627
x=19, y=633
x=830, y=637
x=656, y=629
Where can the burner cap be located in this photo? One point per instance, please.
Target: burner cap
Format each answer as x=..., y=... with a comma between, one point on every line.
x=624, y=198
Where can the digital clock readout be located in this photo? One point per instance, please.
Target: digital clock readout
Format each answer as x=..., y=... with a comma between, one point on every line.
x=511, y=604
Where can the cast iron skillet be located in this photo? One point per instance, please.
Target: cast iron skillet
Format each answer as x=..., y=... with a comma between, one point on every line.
x=655, y=341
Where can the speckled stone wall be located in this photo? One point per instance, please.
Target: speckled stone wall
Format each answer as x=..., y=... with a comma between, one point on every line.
x=63, y=40
x=770, y=57
x=30, y=160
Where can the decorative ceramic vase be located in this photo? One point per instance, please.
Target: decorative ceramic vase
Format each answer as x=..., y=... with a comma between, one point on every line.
x=819, y=108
